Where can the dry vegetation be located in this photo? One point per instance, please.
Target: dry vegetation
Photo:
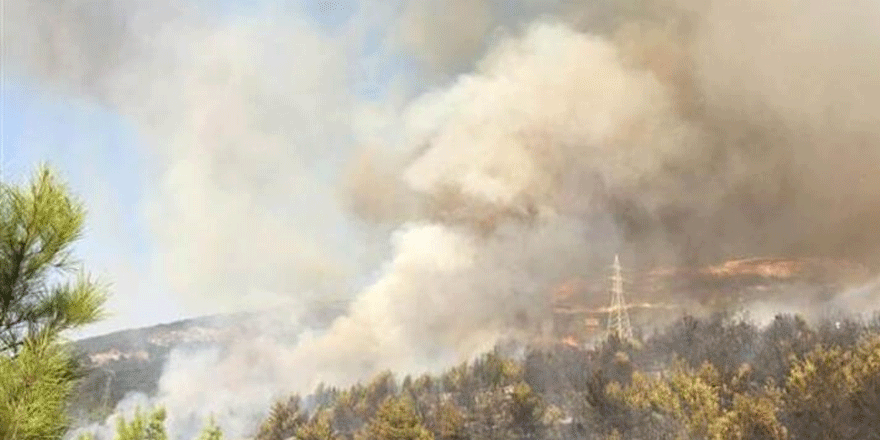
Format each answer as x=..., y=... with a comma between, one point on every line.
x=714, y=378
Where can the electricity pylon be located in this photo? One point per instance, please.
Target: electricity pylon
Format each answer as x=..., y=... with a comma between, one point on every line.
x=618, y=316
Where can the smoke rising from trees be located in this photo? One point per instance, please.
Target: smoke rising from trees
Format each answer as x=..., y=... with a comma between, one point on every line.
x=525, y=149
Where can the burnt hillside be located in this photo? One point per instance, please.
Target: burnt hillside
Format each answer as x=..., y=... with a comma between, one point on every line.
x=132, y=360
x=657, y=296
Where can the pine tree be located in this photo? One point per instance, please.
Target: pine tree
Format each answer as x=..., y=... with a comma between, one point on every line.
x=285, y=418
x=34, y=387
x=397, y=420
x=39, y=223
x=38, y=226
x=317, y=429
x=211, y=431
x=142, y=426
x=526, y=411
x=450, y=422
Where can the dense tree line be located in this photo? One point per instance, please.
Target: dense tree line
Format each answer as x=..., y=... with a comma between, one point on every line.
x=710, y=378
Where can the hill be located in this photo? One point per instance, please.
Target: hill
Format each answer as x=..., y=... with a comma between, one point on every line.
x=129, y=361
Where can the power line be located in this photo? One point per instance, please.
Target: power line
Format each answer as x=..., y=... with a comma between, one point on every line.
x=618, y=315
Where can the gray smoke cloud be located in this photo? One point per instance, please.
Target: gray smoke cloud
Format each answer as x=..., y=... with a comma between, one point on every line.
x=777, y=101
x=659, y=132
x=247, y=119
x=528, y=147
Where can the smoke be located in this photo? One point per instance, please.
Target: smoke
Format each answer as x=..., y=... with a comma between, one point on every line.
x=645, y=137
x=246, y=121
x=525, y=149
x=781, y=138
x=798, y=118
x=125, y=408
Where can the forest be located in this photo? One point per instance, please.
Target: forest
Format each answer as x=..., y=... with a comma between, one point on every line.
x=716, y=377
x=701, y=378
x=397, y=194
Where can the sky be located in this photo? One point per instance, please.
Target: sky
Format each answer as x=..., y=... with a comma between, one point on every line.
x=95, y=153
x=238, y=154
x=441, y=165
x=100, y=154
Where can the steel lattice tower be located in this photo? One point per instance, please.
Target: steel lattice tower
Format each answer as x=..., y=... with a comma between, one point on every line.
x=618, y=316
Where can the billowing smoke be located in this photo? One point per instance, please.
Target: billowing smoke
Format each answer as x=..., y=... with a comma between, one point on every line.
x=246, y=119
x=538, y=144
x=769, y=109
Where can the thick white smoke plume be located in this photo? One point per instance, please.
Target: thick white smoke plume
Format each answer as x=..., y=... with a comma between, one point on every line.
x=245, y=120
x=542, y=144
